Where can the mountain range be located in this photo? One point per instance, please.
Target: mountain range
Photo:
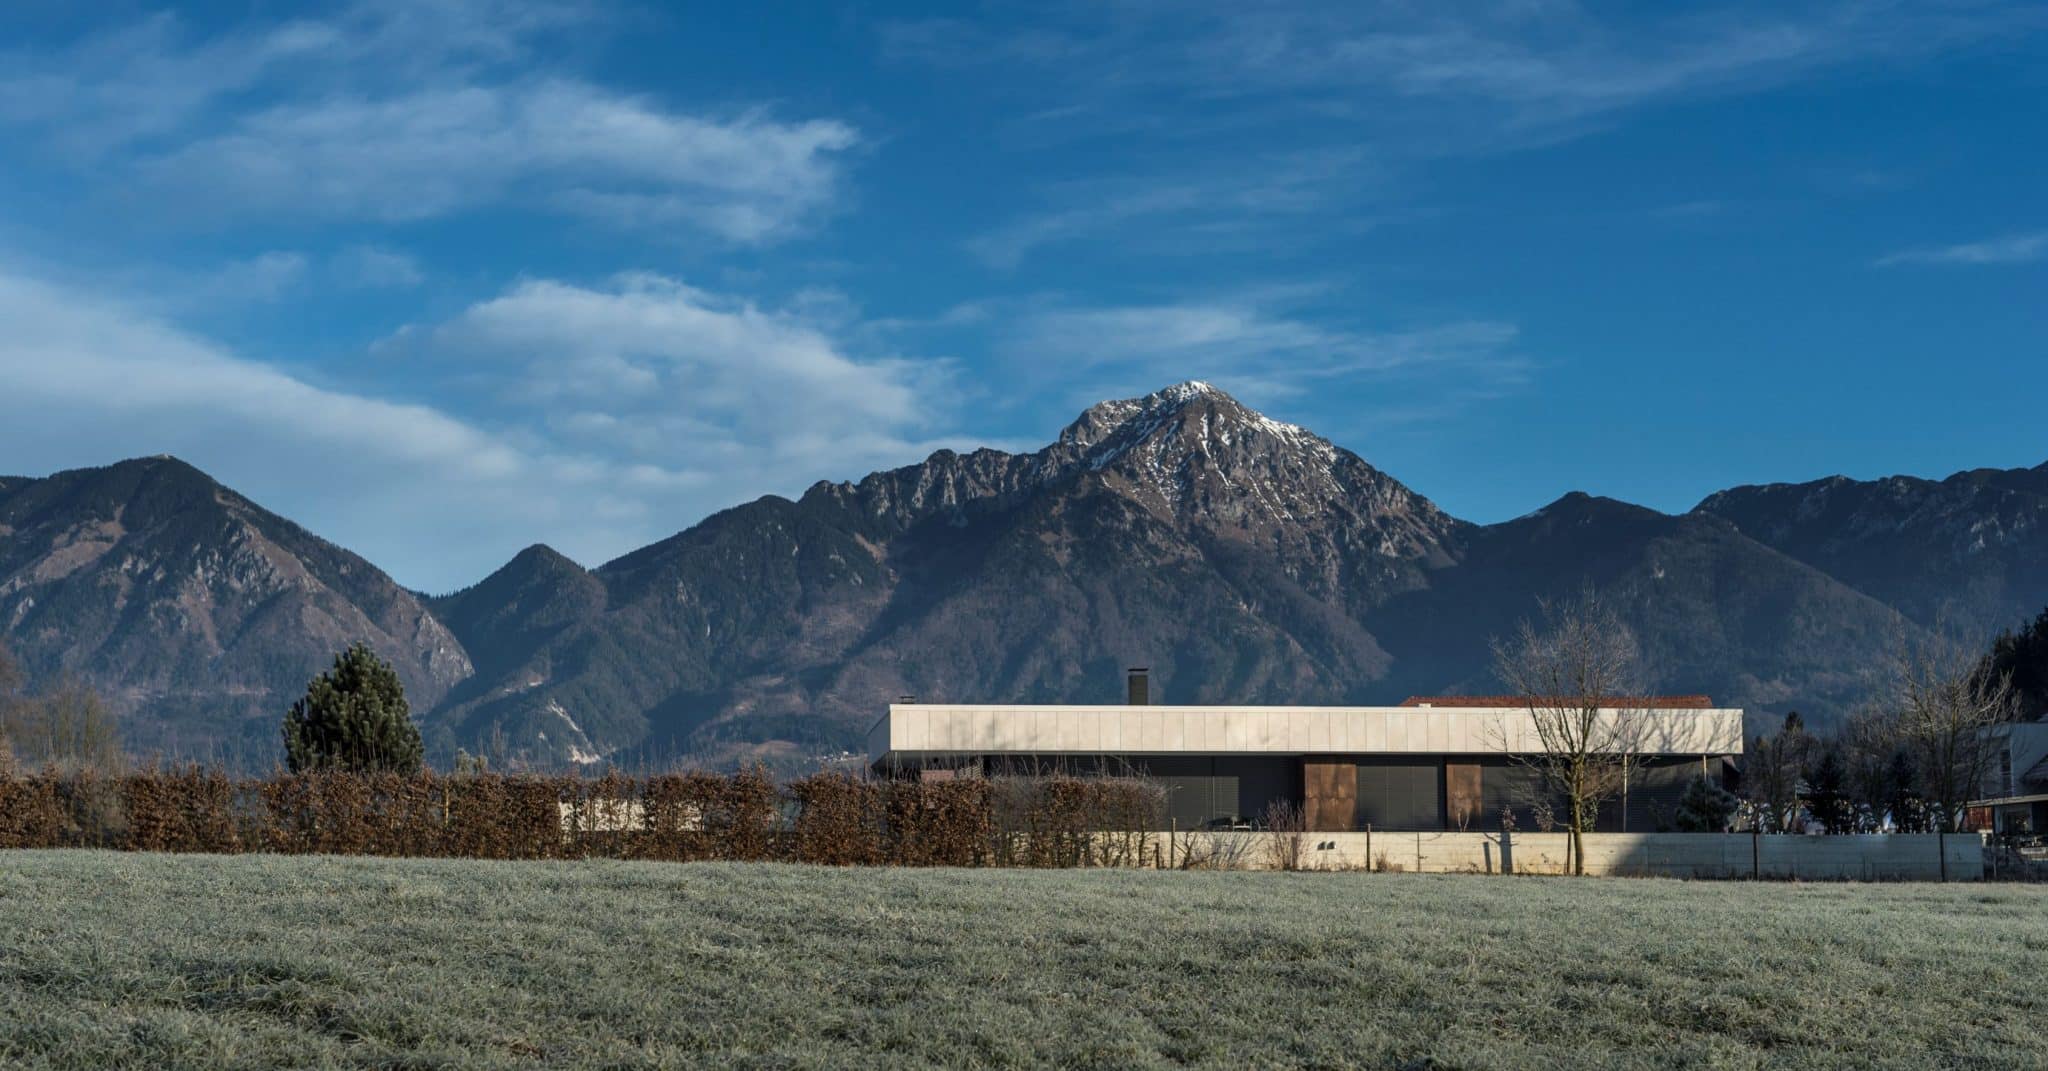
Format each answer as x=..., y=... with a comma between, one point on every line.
x=1242, y=559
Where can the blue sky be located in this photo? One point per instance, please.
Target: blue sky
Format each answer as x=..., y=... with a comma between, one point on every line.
x=441, y=279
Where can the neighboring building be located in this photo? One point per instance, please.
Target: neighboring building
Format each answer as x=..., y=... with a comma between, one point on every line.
x=1431, y=763
x=2016, y=789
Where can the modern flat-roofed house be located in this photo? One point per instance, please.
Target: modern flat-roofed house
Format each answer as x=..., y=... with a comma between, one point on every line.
x=1432, y=763
x=2015, y=796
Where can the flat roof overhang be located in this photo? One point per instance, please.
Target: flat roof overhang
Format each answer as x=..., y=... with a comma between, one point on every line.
x=916, y=731
x=2010, y=801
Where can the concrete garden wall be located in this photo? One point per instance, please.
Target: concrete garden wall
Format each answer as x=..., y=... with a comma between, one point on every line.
x=1891, y=857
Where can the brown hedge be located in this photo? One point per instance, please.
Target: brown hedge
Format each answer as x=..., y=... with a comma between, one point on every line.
x=829, y=819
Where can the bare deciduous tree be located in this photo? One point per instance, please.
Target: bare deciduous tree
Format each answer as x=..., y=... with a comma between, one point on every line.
x=10, y=699
x=1575, y=673
x=1948, y=699
x=70, y=727
x=1286, y=834
x=1772, y=772
x=1212, y=850
x=1870, y=748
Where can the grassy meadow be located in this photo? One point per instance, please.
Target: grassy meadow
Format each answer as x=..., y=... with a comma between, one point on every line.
x=120, y=960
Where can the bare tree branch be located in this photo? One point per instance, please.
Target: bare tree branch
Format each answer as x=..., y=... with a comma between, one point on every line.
x=1947, y=701
x=1575, y=674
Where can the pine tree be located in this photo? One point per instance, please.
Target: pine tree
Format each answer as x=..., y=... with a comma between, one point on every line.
x=1706, y=807
x=353, y=717
x=1826, y=794
x=1909, y=812
x=2023, y=656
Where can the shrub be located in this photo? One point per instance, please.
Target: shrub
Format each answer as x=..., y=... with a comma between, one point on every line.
x=30, y=816
x=1065, y=821
x=189, y=810
x=839, y=820
x=938, y=823
x=834, y=819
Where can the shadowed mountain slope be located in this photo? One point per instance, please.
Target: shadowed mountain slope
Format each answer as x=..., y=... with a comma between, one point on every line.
x=1969, y=552
x=1714, y=611
x=199, y=613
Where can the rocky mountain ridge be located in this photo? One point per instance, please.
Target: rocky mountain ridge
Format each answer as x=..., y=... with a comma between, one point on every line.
x=197, y=611
x=1244, y=559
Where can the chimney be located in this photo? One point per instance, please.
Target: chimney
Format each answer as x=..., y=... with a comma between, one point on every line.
x=1140, y=691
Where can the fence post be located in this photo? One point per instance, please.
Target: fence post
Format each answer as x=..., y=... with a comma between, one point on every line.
x=1756, y=853
x=1941, y=850
x=1172, y=840
x=1368, y=848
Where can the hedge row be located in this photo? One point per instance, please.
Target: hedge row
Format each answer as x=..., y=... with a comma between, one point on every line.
x=829, y=819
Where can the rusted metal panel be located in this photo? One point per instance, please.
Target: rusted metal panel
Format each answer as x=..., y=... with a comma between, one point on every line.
x=1329, y=792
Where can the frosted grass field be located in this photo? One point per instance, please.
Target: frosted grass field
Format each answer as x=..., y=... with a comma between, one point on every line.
x=252, y=961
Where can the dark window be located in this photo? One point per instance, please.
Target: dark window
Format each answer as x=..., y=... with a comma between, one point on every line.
x=1505, y=785
x=1204, y=792
x=1400, y=795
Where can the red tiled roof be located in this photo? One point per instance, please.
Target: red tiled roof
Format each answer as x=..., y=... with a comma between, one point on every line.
x=1635, y=702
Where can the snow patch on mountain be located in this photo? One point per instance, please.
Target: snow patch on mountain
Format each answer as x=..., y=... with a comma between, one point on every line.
x=578, y=751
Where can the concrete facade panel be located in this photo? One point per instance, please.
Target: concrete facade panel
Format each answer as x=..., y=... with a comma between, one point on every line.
x=912, y=729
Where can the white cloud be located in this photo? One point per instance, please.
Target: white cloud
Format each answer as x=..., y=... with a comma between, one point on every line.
x=88, y=379
x=655, y=371
x=2010, y=249
x=563, y=144
x=630, y=413
x=400, y=112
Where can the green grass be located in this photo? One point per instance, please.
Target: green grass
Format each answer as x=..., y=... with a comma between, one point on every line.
x=198, y=961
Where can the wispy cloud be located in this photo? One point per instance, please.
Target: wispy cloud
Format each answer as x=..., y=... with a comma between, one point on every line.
x=624, y=413
x=1549, y=59
x=2010, y=249
x=1254, y=345
x=1252, y=202
x=1169, y=95
x=401, y=112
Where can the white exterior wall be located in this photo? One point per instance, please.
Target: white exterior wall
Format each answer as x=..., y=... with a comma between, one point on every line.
x=920, y=729
x=2025, y=745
